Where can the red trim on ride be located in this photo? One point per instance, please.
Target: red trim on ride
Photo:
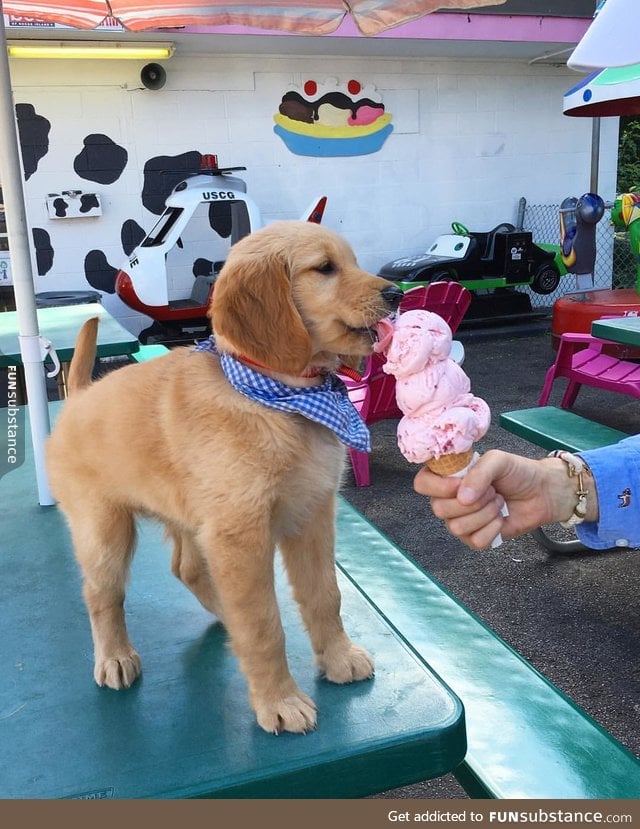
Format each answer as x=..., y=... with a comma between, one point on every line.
x=126, y=292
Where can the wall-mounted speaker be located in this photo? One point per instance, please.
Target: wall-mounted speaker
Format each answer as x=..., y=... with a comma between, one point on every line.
x=153, y=76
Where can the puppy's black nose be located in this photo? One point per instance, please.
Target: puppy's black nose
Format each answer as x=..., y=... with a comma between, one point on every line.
x=392, y=295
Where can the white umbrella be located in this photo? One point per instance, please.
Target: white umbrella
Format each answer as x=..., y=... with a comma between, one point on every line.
x=611, y=39
x=610, y=42
x=304, y=17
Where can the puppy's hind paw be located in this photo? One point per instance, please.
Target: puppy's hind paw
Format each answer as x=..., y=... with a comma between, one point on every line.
x=117, y=672
x=295, y=713
x=346, y=663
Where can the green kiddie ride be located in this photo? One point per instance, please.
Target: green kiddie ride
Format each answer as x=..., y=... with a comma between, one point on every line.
x=625, y=215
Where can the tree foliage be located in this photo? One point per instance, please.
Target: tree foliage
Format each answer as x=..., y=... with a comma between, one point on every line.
x=629, y=155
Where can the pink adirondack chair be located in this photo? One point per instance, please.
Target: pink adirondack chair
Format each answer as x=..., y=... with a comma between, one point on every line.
x=374, y=395
x=580, y=359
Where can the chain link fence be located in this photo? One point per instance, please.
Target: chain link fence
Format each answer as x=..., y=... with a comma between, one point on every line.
x=615, y=265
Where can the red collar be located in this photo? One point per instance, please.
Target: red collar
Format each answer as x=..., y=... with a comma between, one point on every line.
x=308, y=372
x=349, y=372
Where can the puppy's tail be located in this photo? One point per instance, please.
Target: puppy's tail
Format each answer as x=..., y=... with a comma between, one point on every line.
x=84, y=356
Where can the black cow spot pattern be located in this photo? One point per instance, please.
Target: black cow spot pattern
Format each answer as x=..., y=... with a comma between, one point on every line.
x=220, y=218
x=99, y=273
x=131, y=235
x=101, y=160
x=162, y=173
x=203, y=267
x=44, y=250
x=88, y=202
x=60, y=206
x=33, y=130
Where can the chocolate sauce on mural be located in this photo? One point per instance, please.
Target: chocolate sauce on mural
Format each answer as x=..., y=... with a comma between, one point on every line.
x=297, y=108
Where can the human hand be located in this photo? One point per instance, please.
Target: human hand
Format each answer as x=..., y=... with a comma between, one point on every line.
x=536, y=492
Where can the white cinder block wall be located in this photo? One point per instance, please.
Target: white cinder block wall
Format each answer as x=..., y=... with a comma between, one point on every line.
x=470, y=138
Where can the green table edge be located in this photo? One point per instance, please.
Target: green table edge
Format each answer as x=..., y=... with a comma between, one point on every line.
x=548, y=746
x=620, y=335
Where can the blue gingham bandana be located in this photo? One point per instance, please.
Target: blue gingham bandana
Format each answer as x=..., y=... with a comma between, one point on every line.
x=327, y=404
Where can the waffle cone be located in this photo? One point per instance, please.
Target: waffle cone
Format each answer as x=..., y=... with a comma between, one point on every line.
x=447, y=465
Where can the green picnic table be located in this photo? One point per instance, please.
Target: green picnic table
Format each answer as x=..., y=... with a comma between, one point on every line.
x=61, y=325
x=624, y=330
x=185, y=729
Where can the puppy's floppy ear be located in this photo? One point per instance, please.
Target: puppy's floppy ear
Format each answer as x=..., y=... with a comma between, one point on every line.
x=252, y=308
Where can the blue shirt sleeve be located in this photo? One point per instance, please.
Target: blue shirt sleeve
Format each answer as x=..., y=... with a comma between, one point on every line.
x=616, y=472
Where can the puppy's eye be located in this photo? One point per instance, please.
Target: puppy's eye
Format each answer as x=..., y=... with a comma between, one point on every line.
x=327, y=268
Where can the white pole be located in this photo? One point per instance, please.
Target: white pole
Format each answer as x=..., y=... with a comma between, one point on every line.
x=23, y=286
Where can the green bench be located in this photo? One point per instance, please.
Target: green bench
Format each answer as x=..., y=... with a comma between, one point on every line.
x=526, y=739
x=148, y=352
x=554, y=428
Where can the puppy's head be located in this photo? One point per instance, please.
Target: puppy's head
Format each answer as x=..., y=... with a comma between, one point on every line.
x=292, y=295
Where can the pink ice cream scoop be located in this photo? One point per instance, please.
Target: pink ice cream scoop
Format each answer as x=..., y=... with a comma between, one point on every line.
x=428, y=392
x=418, y=339
x=441, y=416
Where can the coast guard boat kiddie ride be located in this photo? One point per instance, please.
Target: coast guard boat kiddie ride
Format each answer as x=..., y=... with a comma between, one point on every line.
x=170, y=275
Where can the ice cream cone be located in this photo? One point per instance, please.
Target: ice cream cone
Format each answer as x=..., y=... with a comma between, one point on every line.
x=447, y=465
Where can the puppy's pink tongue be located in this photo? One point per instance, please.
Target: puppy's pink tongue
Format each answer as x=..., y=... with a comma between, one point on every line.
x=384, y=330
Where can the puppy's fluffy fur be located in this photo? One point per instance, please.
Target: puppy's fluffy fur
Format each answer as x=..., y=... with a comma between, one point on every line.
x=230, y=478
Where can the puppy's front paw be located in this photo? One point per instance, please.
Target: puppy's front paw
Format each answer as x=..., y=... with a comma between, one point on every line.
x=117, y=671
x=346, y=662
x=296, y=713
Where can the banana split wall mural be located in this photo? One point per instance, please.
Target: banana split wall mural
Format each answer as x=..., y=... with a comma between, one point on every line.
x=331, y=118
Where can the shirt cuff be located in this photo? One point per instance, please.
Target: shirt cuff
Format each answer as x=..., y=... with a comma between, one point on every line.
x=616, y=473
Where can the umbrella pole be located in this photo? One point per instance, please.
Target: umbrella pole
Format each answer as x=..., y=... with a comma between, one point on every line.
x=595, y=154
x=23, y=285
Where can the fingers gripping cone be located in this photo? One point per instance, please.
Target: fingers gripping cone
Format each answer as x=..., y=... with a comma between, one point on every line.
x=457, y=466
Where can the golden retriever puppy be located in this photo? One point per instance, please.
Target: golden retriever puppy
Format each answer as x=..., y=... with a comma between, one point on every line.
x=230, y=477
